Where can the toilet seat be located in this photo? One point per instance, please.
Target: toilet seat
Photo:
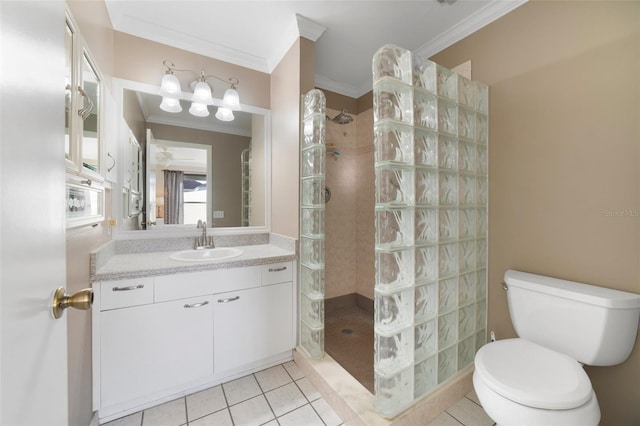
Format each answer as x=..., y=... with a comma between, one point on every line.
x=532, y=375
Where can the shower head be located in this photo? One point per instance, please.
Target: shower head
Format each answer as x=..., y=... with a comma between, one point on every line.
x=342, y=118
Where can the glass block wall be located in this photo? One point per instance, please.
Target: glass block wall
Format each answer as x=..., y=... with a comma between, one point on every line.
x=312, y=175
x=430, y=137
x=245, y=167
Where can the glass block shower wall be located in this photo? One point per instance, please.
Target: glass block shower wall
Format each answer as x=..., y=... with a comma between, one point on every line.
x=430, y=137
x=312, y=175
x=245, y=167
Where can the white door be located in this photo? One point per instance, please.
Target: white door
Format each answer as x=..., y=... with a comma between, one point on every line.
x=150, y=190
x=33, y=346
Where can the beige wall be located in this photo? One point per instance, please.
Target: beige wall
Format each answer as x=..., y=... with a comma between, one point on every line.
x=289, y=81
x=93, y=22
x=564, y=156
x=140, y=60
x=134, y=116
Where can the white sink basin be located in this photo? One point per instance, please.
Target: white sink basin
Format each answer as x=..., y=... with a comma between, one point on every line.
x=206, y=255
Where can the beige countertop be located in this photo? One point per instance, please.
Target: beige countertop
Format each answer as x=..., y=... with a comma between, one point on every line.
x=123, y=266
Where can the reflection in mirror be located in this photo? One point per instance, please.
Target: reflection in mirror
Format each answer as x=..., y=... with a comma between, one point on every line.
x=200, y=168
x=181, y=172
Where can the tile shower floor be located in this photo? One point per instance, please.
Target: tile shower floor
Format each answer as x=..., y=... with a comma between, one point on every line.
x=280, y=395
x=348, y=339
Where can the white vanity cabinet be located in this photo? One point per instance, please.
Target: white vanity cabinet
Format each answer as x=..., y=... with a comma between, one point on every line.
x=250, y=325
x=153, y=348
x=156, y=338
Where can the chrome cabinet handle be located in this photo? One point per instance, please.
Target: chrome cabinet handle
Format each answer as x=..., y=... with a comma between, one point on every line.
x=284, y=268
x=114, y=161
x=196, y=305
x=229, y=299
x=85, y=112
x=129, y=288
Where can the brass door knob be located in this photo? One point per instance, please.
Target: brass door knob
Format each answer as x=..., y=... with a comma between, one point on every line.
x=82, y=300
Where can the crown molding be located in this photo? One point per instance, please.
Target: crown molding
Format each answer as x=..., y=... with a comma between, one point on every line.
x=309, y=29
x=181, y=40
x=468, y=26
x=323, y=82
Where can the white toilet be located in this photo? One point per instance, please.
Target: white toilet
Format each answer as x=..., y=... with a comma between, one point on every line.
x=538, y=379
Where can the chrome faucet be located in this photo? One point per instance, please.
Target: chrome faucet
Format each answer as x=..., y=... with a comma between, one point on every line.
x=203, y=241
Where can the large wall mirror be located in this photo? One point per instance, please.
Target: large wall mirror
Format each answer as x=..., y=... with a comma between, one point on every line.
x=190, y=168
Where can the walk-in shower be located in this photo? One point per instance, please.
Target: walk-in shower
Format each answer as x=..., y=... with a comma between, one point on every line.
x=341, y=118
x=428, y=141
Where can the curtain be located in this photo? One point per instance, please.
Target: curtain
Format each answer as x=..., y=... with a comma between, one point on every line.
x=173, y=197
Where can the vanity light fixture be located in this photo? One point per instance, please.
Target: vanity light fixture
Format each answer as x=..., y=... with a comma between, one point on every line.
x=171, y=92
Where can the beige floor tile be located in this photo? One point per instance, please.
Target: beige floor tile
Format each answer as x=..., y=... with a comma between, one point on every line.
x=172, y=413
x=472, y=396
x=302, y=416
x=469, y=413
x=205, y=402
x=134, y=419
x=328, y=416
x=445, y=419
x=272, y=378
x=285, y=399
x=253, y=412
x=219, y=418
x=241, y=389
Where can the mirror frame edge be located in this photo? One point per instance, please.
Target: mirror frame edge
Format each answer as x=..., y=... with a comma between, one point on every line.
x=118, y=87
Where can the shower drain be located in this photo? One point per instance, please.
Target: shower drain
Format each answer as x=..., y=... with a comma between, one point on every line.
x=346, y=331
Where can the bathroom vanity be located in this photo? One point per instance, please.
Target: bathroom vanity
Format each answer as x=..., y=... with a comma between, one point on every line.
x=168, y=328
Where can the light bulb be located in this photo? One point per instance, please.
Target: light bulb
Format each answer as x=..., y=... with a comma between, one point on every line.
x=202, y=93
x=170, y=86
x=224, y=114
x=199, y=110
x=231, y=99
x=170, y=104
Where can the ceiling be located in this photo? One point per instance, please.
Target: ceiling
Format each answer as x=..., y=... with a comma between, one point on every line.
x=257, y=34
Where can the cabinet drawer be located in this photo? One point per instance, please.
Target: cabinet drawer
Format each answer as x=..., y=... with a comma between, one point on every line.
x=123, y=293
x=277, y=273
x=179, y=286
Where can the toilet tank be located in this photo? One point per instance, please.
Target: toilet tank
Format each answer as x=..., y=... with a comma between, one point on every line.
x=594, y=325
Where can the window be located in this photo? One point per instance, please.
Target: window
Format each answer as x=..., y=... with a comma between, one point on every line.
x=195, y=197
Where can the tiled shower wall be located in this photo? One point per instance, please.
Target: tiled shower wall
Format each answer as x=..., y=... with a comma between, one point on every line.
x=365, y=199
x=340, y=217
x=349, y=226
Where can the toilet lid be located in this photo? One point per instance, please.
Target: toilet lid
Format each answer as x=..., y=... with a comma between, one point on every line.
x=532, y=375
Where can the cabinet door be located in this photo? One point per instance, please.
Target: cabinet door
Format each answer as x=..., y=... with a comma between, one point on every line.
x=149, y=349
x=251, y=325
x=90, y=143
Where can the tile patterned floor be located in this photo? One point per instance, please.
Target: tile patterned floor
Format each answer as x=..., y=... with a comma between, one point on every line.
x=277, y=396
x=280, y=395
x=466, y=412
